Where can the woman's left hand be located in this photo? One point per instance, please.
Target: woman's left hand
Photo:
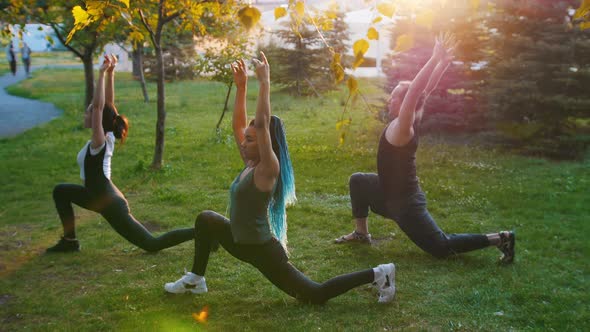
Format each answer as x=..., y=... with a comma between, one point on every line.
x=262, y=69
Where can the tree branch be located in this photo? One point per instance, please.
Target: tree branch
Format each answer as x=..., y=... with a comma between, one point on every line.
x=147, y=27
x=63, y=41
x=169, y=18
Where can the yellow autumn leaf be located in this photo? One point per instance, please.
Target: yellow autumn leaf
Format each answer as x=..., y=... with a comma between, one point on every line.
x=341, y=138
x=202, y=316
x=343, y=123
x=352, y=85
x=280, y=12
x=136, y=37
x=583, y=10
x=80, y=15
x=404, y=43
x=249, y=16
x=425, y=18
x=386, y=8
x=336, y=67
x=125, y=2
x=584, y=25
x=377, y=20
x=300, y=8
x=360, y=46
x=327, y=25
x=372, y=34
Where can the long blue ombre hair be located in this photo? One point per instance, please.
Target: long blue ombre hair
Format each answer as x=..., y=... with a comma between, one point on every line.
x=283, y=195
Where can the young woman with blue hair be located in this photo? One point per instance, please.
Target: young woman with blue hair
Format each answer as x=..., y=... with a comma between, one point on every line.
x=256, y=232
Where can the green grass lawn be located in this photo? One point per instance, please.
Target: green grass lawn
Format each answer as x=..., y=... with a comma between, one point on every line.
x=110, y=285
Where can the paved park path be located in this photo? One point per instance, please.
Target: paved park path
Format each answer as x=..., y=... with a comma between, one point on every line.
x=20, y=114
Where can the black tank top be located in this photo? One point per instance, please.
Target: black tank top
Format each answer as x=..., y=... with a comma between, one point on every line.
x=95, y=180
x=396, y=167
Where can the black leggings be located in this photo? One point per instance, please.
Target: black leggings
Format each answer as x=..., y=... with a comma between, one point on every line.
x=112, y=205
x=414, y=219
x=269, y=258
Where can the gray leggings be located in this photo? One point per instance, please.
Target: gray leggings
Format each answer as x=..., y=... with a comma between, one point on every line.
x=413, y=218
x=112, y=205
x=270, y=259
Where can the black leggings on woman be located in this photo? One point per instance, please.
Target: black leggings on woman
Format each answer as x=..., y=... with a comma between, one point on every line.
x=112, y=205
x=413, y=218
x=269, y=258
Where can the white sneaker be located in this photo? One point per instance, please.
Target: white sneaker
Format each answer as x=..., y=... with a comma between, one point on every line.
x=385, y=282
x=189, y=282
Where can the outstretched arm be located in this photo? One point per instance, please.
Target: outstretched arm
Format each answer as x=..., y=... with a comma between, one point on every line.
x=110, y=81
x=437, y=74
x=267, y=169
x=98, y=137
x=416, y=89
x=240, y=118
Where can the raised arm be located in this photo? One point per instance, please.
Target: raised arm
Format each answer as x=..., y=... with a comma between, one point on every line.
x=442, y=66
x=267, y=170
x=110, y=81
x=98, y=137
x=416, y=89
x=240, y=118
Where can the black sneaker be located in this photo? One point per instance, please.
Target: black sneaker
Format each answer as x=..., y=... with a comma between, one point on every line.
x=507, y=243
x=65, y=246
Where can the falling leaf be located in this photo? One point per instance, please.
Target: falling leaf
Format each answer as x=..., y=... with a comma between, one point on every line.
x=49, y=39
x=372, y=34
x=249, y=16
x=300, y=8
x=352, y=85
x=336, y=67
x=403, y=43
x=377, y=20
x=202, y=316
x=425, y=18
x=386, y=8
x=280, y=12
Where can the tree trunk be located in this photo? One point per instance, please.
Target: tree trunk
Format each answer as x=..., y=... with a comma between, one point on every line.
x=138, y=62
x=225, y=105
x=161, y=122
x=89, y=77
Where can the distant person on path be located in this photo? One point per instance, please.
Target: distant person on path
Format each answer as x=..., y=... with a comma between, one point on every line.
x=99, y=194
x=25, y=53
x=256, y=231
x=11, y=57
x=394, y=192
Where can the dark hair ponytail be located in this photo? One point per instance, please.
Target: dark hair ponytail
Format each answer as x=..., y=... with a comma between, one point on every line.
x=121, y=127
x=113, y=122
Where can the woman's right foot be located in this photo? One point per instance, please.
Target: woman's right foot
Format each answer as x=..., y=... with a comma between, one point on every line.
x=189, y=282
x=354, y=237
x=65, y=245
x=506, y=246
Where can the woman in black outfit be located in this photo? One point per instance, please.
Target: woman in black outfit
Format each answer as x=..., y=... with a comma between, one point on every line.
x=256, y=230
x=99, y=194
x=395, y=192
